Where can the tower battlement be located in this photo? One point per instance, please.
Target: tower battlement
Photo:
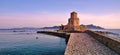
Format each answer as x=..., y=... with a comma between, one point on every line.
x=74, y=15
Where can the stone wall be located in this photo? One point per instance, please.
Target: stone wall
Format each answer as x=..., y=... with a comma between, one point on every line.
x=110, y=42
x=57, y=33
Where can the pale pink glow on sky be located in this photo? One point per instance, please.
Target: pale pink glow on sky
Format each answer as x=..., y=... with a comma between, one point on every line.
x=106, y=20
x=42, y=13
x=32, y=20
x=111, y=20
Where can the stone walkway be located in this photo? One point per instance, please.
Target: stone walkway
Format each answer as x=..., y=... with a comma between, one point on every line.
x=83, y=44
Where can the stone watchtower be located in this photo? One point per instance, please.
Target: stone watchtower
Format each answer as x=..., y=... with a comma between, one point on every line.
x=73, y=24
x=73, y=21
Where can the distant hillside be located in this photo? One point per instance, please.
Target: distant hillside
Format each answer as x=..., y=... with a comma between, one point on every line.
x=24, y=28
x=53, y=27
x=91, y=26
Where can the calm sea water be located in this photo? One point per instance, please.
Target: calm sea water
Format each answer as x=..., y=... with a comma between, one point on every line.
x=26, y=43
x=116, y=31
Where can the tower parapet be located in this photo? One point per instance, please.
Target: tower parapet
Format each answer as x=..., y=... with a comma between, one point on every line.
x=73, y=15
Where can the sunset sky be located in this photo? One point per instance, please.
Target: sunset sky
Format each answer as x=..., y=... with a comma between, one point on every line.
x=41, y=13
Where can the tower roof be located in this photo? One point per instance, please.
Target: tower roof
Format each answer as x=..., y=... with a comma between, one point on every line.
x=74, y=12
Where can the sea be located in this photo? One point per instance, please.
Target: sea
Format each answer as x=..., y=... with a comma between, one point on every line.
x=28, y=42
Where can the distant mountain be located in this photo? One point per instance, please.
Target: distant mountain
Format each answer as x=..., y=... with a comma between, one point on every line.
x=24, y=28
x=91, y=26
x=53, y=27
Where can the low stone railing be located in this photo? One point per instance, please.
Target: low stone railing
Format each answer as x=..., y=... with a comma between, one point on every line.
x=110, y=42
x=56, y=33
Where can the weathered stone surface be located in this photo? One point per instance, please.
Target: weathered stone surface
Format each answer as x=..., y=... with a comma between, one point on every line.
x=113, y=43
x=55, y=33
x=84, y=44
